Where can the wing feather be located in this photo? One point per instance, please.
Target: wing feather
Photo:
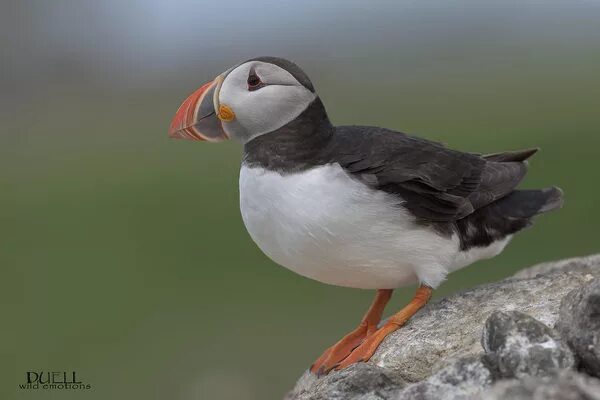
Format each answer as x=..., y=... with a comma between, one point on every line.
x=435, y=183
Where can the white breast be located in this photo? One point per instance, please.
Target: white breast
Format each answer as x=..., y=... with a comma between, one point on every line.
x=325, y=225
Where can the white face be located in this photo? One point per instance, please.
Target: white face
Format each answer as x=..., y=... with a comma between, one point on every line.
x=263, y=97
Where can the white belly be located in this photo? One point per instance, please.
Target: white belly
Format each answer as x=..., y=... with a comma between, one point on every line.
x=325, y=225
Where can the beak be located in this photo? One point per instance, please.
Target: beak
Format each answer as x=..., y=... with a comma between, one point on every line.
x=196, y=118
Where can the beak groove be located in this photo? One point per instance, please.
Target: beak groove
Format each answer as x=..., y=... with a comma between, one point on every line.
x=196, y=118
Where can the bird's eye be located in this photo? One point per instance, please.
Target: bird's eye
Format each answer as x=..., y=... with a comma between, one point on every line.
x=254, y=81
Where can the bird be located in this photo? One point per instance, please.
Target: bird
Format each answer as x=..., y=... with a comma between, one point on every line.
x=357, y=206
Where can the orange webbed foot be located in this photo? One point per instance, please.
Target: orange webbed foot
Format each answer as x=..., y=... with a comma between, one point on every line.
x=339, y=351
x=368, y=347
x=342, y=349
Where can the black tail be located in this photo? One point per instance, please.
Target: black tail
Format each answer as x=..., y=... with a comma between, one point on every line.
x=506, y=216
x=524, y=203
x=508, y=156
x=529, y=203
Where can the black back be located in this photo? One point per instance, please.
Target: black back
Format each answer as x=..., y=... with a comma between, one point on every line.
x=434, y=183
x=468, y=194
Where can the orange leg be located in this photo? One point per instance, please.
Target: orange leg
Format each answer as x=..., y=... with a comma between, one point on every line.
x=366, y=349
x=339, y=351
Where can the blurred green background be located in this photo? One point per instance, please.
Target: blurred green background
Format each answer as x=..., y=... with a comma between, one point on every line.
x=123, y=253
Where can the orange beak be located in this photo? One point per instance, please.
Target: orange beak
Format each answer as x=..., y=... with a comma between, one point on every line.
x=196, y=118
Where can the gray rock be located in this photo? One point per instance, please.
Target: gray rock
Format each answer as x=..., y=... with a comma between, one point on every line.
x=581, y=264
x=450, y=329
x=567, y=385
x=362, y=381
x=518, y=345
x=461, y=380
x=579, y=324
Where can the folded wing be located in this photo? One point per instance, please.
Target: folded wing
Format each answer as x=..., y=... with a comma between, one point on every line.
x=434, y=182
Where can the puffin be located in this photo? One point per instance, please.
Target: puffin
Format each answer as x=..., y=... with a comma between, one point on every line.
x=357, y=206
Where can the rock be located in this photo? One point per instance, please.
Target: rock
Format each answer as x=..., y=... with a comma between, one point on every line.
x=567, y=385
x=518, y=345
x=579, y=323
x=452, y=327
x=448, y=330
x=362, y=381
x=460, y=380
x=581, y=264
